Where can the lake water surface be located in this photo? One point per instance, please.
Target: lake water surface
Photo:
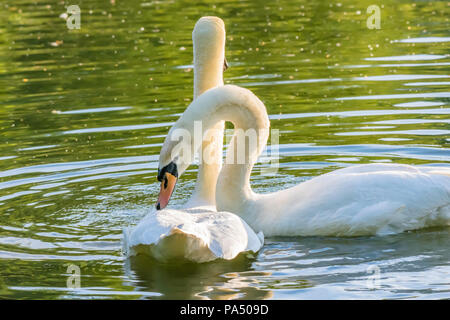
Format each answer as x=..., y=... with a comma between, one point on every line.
x=83, y=114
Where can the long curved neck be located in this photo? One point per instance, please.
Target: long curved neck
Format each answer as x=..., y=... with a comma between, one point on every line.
x=251, y=129
x=233, y=188
x=208, y=73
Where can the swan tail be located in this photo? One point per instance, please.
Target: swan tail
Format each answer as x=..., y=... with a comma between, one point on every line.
x=177, y=245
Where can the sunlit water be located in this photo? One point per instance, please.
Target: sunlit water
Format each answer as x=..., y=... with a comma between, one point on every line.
x=84, y=112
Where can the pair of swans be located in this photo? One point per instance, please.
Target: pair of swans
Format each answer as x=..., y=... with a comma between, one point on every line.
x=360, y=200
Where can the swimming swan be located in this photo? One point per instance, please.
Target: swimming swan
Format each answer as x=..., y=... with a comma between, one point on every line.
x=364, y=199
x=197, y=232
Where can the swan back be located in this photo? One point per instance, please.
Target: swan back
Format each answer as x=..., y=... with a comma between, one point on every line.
x=197, y=235
x=369, y=199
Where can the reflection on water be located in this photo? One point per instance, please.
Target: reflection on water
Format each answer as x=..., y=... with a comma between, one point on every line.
x=83, y=114
x=215, y=280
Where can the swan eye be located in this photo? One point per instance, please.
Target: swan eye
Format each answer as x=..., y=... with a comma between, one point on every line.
x=225, y=64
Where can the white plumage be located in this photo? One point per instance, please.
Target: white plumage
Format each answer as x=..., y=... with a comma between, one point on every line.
x=372, y=199
x=197, y=235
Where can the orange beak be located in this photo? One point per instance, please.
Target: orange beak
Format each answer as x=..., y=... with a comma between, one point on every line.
x=167, y=186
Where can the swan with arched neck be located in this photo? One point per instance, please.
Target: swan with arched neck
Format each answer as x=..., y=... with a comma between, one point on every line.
x=364, y=199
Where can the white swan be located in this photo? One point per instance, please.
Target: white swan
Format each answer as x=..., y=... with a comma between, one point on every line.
x=196, y=232
x=360, y=200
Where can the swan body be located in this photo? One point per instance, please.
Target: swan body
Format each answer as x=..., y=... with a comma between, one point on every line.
x=361, y=200
x=197, y=232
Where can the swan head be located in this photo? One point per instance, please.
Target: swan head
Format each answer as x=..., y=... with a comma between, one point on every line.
x=208, y=40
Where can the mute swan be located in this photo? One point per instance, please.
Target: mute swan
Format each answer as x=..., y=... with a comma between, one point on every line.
x=197, y=232
x=360, y=200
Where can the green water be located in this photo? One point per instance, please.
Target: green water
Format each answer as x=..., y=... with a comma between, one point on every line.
x=83, y=114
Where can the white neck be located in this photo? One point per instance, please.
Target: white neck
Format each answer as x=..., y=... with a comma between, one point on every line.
x=248, y=114
x=208, y=73
x=208, y=172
